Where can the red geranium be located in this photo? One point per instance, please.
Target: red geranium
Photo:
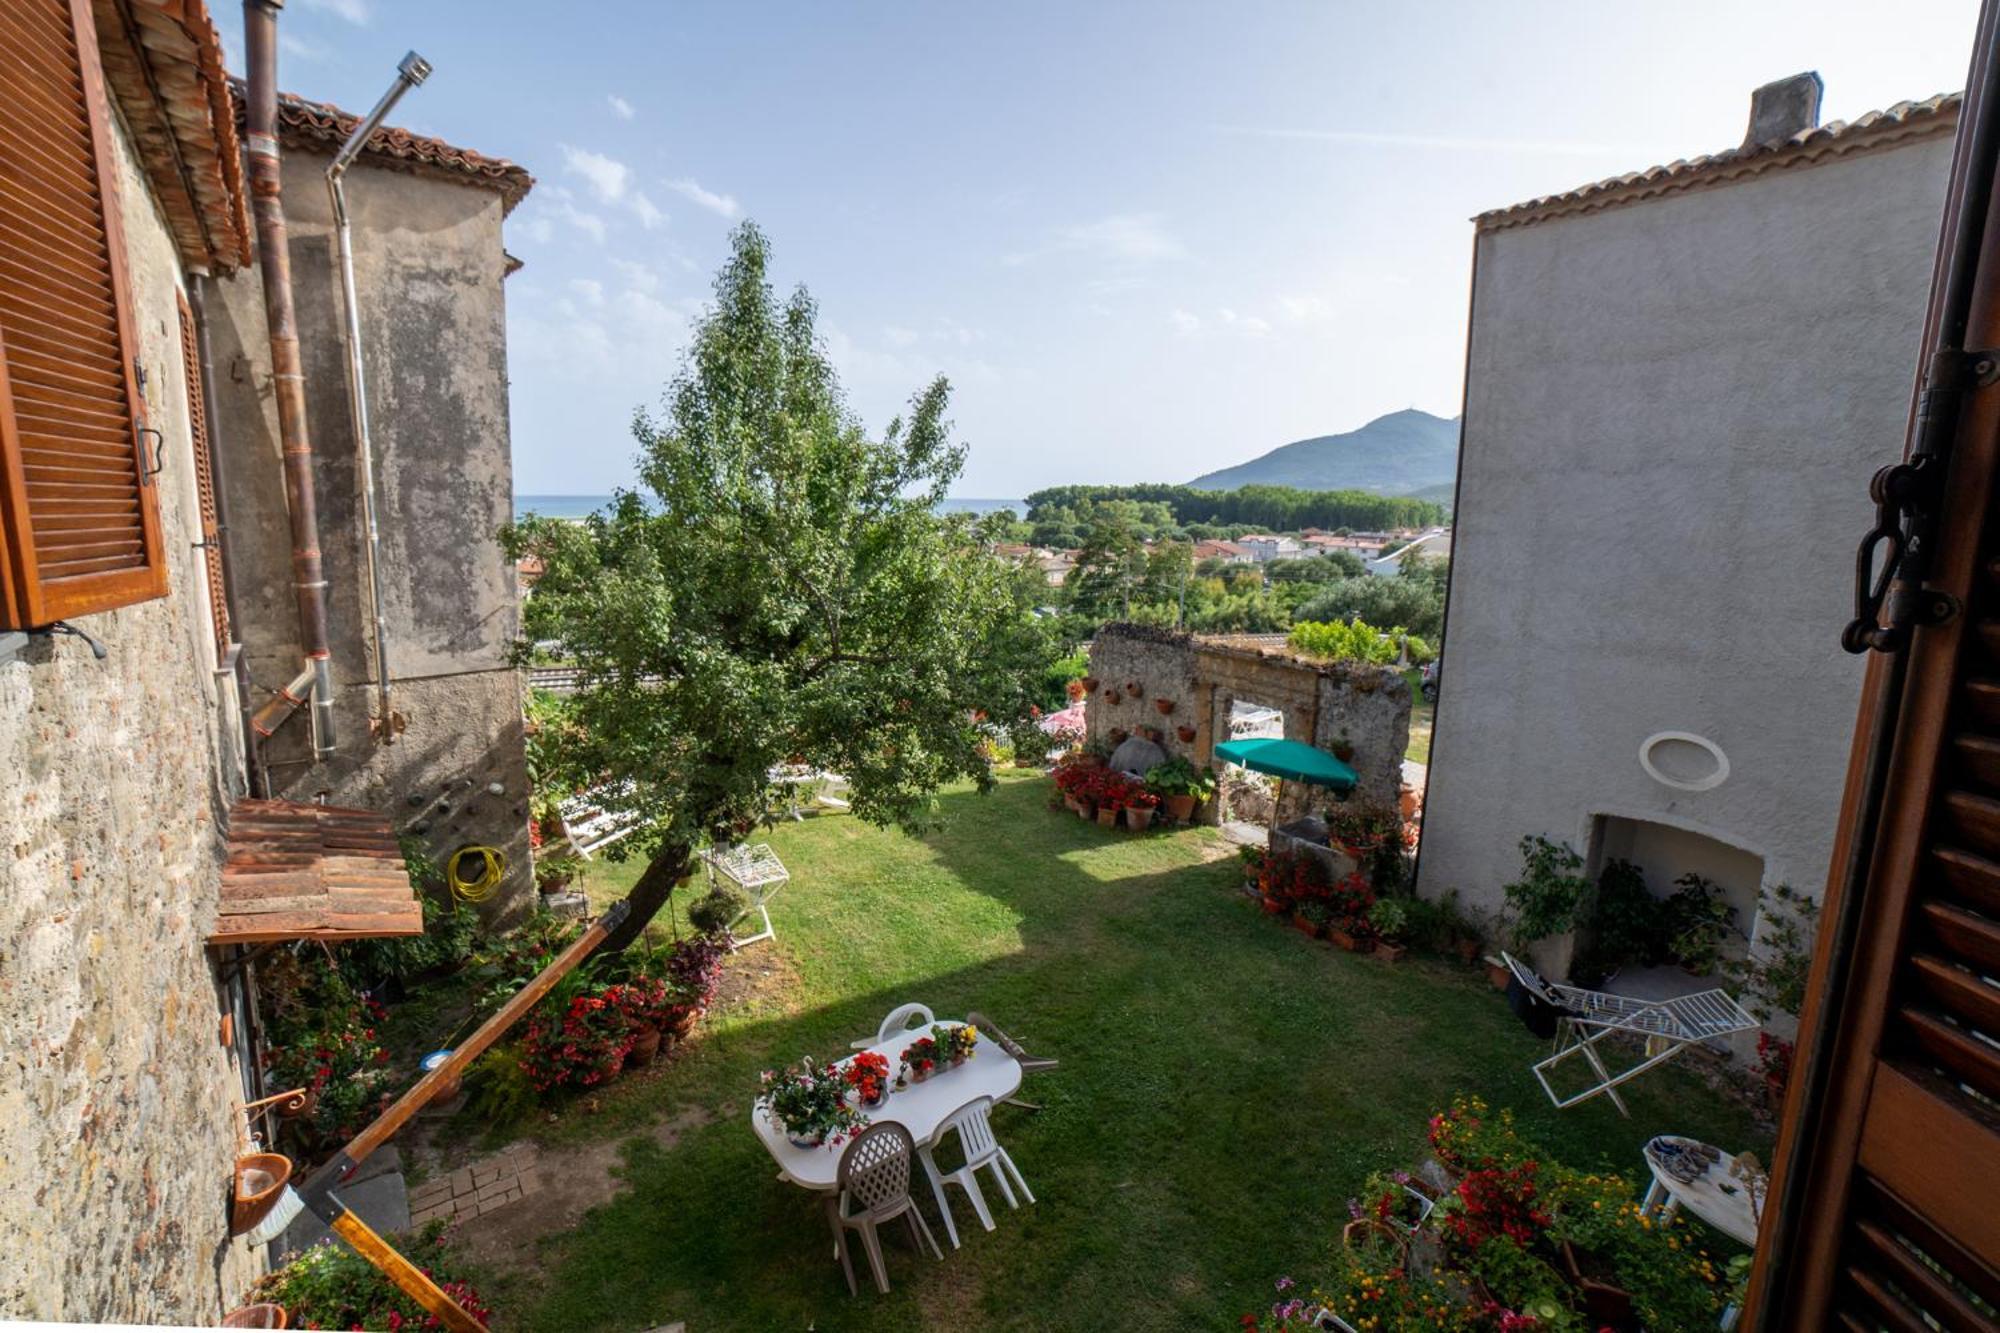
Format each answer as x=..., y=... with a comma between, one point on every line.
x=868, y=1074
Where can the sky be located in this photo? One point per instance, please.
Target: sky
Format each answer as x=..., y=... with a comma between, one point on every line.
x=1143, y=241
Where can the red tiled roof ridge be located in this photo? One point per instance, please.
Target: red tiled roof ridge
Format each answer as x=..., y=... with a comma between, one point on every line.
x=1896, y=124
x=302, y=120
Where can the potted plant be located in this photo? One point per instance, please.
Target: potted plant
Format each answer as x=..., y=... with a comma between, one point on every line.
x=1163, y=706
x=1134, y=690
x=1312, y=917
x=955, y=1042
x=1253, y=863
x=1089, y=683
x=260, y=1180
x=920, y=1057
x=867, y=1075
x=809, y=1106
x=1393, y=1199
x=1391, y=919
x=713, y=911
x=1351, y=901
x=1181, y=787
x=1139, y=807
x=1186, y=733
x=1699, y=920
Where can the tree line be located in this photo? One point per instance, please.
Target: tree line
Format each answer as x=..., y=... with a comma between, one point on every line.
x=1283, y=508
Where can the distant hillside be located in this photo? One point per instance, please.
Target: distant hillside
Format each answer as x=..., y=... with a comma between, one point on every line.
x=1444, y=493
x=1399, y=454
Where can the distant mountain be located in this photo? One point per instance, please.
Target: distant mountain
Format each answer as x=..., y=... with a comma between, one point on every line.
x=1444, y=493
x=1392, y=455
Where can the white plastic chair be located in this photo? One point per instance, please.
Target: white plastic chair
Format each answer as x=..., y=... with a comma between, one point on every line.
x=975, y=1136
x=875, y=1188
x=897, y=1021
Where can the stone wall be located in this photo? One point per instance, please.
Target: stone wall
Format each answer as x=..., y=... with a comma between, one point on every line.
x=429, y=269
x=1324, y=704
x=116, y=1114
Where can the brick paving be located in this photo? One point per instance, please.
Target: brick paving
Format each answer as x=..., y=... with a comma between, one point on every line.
x=478, y=1188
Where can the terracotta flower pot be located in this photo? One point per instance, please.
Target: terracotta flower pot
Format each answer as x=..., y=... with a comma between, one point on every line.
x=1187, y=734
x=1467, y=950
x=1180, y=809
x=1273, y=906
x=1133, y=689
x=260, y=1180
x=683, y=1021
x=1089, y=682
x=263, y=1314
x=645, y=1047
x=1118, y=735
x=1497, y=974
x=1137, y=818
x=1306, y=927
x=1388, y=952
x=1165, y=706
x=1344, y=939
x=1107, y=817
x=1112, y=695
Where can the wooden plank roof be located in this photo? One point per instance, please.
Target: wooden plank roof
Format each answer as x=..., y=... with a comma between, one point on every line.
x=294, y=871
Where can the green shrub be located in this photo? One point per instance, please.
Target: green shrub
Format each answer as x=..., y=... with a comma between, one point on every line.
x=712, y=914
x=1546, y=898
x=1178, y=777
x=1353, y=641
x=1774, y=981
x=1698, y=920
x=498, y=1091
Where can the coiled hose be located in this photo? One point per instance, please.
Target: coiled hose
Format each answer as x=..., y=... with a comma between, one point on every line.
x=491, y=867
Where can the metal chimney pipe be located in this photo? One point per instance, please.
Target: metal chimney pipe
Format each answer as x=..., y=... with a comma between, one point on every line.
x=413, y=70
x=260, y=45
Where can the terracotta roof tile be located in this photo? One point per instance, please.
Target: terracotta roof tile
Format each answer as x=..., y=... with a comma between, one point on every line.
x=302, y=122
x=163, y=63
x=1900, y=123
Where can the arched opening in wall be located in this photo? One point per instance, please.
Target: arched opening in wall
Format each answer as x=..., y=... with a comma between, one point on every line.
x=1697, y=915
x=1247, y=796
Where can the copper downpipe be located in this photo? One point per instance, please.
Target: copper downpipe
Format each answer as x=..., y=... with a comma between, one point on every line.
x=260, y=43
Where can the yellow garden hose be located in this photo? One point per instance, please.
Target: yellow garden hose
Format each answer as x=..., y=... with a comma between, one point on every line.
x=492, y=869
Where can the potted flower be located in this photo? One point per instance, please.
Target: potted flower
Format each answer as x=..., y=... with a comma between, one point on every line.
x=1391, y=919
x=1352, y=901
x=648, y=1005
x=1181, y=787
x=920, y=1057
x=1253, y=863
x=867, y=1075
x=1163, y=706
x=1394, y=1199
x=1139, y=807
x=809, y=1105
x=1186, y=733
x=954, y=1042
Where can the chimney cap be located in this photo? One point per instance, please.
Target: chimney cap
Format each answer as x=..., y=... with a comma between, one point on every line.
x=1784, y=108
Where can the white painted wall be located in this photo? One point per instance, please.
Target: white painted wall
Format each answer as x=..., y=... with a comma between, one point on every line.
x=1673, y=409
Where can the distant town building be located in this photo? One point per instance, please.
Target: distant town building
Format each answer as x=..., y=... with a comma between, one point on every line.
x=1264, y=548
x=1231, y=552
x=1433, y=545
x=1678, y=384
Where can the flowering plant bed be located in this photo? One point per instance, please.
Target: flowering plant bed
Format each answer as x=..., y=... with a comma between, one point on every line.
x=321, y=1035
x=809, y=1103
x=578, y=1038
x=868, y=1074
x=331, y=1286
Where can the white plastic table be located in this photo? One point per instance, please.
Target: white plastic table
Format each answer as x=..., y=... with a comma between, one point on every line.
x=1718, y=1196
x=919, y=1108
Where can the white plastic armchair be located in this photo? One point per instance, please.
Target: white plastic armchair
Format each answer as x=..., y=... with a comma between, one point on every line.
x=975, y=1137
x=897, y=1021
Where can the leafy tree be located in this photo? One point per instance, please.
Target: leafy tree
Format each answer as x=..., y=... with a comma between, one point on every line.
x=1317, y=568
x=787, y=591
x=1415, y=601
x=1283, y=508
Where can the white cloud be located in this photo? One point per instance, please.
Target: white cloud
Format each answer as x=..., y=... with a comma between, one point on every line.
x=1186, y=321
x=1122, y=238
x=563, y=204
x=690, y=189
x=293, y=45
x=606, y=176
x=621, y=108
x=1251, y=326
x=900, y=337
x=538, y=229
x=648, y=215
x=354, y=11
x=1305, y=309
x=590, y=289
x=638, y=277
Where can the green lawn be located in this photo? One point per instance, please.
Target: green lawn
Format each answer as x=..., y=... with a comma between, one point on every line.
x=1226, y=1084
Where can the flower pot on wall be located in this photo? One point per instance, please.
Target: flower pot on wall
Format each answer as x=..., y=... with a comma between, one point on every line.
x=1164, y=706
x=1187, y=734
x=1118, y=735
x=260, y=1179
x=1133, y=689
x=263, y=1314
x=1089, y=682
x=1153, y=734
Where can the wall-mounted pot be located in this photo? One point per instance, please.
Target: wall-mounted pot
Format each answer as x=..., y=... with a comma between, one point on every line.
x=260, y=1179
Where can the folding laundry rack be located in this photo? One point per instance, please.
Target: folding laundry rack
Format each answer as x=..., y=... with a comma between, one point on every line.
x=1587, y=1017
x=759, y=873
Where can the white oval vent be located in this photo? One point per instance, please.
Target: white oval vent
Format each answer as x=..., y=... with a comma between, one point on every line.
x=1684, y=760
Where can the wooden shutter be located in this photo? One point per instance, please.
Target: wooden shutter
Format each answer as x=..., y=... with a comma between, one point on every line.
x=204, y=478
x=1885, y=1209
x=78, y=513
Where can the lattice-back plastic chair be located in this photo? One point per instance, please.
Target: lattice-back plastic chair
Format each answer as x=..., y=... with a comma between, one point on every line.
x=759, y=873
x=974, y=1127
x=1030, y=1064
x=897, y=1021
x=874, y=1187
x=1668, y=1027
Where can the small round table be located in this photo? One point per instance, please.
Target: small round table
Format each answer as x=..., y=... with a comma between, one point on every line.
x=1728, y=1194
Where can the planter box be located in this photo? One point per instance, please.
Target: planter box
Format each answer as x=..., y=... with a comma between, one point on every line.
x=1310, y=929
x=1107, y=818
x=1390, y=953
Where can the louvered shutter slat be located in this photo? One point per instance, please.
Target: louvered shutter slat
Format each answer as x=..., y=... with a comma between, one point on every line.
x=80, y=517
x=204, y=482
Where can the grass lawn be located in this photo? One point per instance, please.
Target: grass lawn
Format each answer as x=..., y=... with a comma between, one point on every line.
x=1226, y=1084
x=1422, y=714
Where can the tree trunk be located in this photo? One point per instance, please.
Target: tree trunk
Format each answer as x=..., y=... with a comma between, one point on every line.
x=670, y=867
